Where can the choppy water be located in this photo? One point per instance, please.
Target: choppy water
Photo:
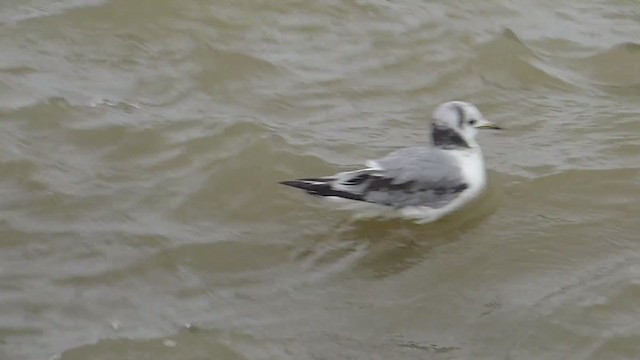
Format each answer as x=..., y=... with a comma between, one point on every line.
x=141, y=142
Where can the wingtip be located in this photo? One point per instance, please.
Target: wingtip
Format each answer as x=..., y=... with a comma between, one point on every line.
x=305, y=181
x=300, y=184
x=295, y=184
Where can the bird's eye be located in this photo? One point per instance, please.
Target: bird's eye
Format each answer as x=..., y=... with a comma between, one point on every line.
x=472, y=122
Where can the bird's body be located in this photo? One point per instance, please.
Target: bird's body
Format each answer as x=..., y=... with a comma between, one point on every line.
x=419, y=183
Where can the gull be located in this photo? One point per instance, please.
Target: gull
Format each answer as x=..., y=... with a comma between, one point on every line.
x=421, y=183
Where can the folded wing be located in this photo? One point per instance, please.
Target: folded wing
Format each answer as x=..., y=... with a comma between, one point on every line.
x=417, y=176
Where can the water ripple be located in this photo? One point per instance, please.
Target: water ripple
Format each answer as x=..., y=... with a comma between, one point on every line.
x=142, y=143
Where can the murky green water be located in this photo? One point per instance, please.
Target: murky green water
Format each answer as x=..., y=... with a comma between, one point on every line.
x=141, y=142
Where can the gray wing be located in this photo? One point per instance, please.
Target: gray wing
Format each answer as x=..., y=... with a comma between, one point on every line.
x=411, y=177
x=416, y=176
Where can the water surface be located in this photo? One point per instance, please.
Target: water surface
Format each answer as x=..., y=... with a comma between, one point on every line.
x=142, y=142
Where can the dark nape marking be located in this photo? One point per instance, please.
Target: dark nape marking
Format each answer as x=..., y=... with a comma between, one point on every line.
x=460, y=112
x=447, y=138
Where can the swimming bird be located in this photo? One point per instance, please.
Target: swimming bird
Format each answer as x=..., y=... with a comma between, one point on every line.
x=422, y=183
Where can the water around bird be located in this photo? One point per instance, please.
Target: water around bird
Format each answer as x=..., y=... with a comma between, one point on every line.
x=142, y=142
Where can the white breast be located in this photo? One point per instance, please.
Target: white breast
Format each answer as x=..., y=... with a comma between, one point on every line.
x=471, y=163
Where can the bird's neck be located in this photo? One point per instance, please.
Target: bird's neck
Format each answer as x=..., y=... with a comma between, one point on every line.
x=447, y=138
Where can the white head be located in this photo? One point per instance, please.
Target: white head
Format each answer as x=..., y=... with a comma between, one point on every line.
x=456, y=123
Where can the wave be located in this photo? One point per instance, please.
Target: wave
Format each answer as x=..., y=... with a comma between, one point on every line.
x=507, y=61
x=617, y=66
